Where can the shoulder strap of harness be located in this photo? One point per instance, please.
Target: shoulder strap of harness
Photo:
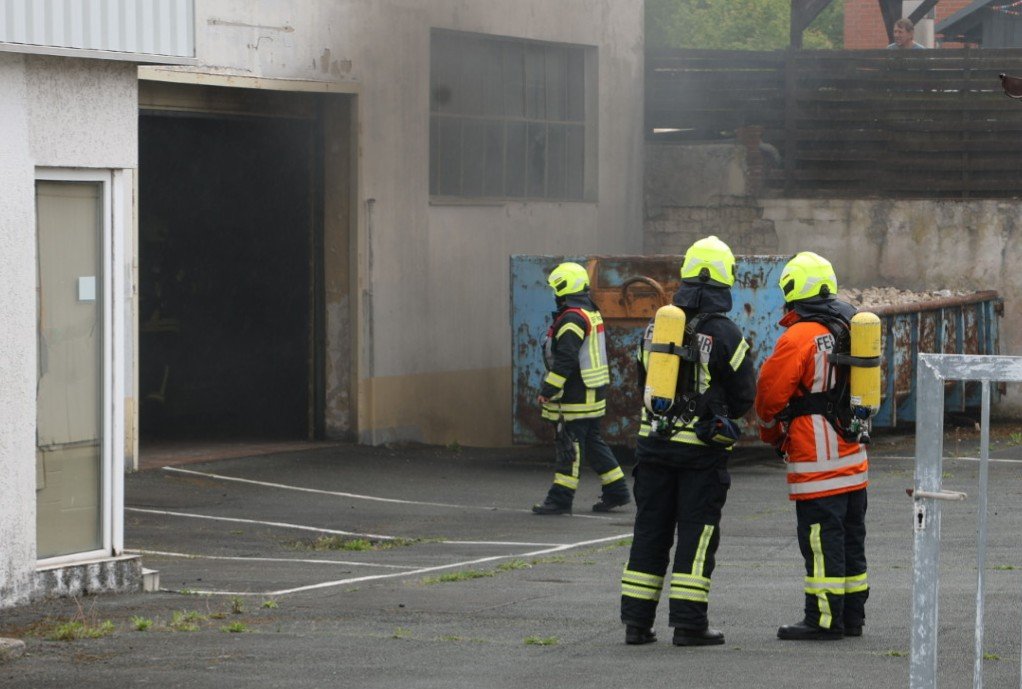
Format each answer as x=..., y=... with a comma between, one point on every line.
x=828, y=403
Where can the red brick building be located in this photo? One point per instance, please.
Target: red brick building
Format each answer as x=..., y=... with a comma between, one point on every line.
x=864, y=25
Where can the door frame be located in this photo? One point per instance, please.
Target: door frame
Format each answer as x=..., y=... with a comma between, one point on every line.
x=349, y=406
x=116, y=214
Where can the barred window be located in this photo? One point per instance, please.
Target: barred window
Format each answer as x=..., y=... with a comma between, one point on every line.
x=509, y=118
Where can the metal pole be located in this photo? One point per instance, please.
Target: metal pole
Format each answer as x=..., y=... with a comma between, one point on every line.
x=981, y=546
x=926, y=524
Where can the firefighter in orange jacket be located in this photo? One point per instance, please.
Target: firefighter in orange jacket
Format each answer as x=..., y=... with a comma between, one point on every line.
x=827, y=468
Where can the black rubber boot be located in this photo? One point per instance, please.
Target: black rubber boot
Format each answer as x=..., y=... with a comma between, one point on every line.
x=609, y=502
x=803, y=631
x=697, y=637
x=639, y=635
x=548, y=506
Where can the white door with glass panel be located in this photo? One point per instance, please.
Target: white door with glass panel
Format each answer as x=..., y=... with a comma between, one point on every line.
x=70, y=458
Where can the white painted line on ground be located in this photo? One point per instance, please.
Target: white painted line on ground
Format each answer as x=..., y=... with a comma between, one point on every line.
x=967, y=459
x=357, y=496
x=193, y=556
x=282, y=525
x=422, y=570
x=515, y=544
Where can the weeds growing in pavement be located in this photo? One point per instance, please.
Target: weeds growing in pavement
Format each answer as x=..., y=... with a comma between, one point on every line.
x=82, y=626
x=541, y=641
x=186, y=621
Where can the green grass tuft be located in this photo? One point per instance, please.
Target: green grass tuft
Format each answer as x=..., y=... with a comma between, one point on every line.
x=541, y=641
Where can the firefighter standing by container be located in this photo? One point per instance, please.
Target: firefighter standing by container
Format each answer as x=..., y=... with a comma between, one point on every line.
x=573, y=394
x=827, y=466
x=681, y=477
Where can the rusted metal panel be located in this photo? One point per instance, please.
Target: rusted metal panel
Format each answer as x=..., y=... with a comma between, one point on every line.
x=629, y=289
x=953, y=325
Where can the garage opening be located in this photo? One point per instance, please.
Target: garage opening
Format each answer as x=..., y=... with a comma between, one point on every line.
x=230, y=272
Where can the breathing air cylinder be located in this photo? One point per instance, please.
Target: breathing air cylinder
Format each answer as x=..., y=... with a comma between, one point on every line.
x=864, y=386
x=664, y=359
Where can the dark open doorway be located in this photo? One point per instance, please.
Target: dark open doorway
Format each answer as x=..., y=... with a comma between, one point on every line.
x=229, y=277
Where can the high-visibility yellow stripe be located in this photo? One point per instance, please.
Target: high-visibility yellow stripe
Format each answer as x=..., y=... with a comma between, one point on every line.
x=553, y=379
x=857, y=583
x=678, y=579
x=739, y=356
x=566, y=481
x=699, y=563
x=631, y=576
x=570, y=327
x=614, y=474
x=682, y=436
x=554, y=415
x=819, y=570
x=694, y=595
x=816, y=588
x=570, y=482
x=639, y=592
x=590, y=409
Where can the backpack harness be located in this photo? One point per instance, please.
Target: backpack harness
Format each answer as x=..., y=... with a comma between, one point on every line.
x=833, y=404
x=689, y=403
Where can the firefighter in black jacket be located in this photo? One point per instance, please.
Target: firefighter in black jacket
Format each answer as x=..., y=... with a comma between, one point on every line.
x=573, y=394
x=681, y=477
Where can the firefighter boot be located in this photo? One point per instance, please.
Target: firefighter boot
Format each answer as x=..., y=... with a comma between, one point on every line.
x=639, y=635
x=609, y=502
x=697, y=637
x=548, y=506
x=803, y=631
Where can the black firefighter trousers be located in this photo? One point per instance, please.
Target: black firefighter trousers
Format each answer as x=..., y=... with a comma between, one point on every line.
x=589, y=447
x=673, y=500
x=832, y=538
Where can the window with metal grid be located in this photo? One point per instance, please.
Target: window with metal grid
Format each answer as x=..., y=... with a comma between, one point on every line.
x=508, y=118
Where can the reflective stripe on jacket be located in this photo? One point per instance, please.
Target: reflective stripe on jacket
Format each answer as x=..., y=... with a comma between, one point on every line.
x=820, y=462
x=575, y=354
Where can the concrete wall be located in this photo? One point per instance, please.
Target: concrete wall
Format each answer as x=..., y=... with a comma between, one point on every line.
x=911, y=244
x=17, y=337
x=434, y=356
x=55, y=112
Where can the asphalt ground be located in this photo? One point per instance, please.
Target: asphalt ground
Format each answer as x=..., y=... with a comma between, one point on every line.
x=532, y=601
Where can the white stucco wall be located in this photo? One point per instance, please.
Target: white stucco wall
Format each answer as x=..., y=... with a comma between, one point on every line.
x=55, y=112
x=17, y=337
x=439, y=277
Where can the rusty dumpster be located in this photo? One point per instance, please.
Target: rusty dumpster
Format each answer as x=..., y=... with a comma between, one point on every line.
x=629, y=289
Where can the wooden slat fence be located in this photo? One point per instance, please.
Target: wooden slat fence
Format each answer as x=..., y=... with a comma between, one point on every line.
x=876, y=123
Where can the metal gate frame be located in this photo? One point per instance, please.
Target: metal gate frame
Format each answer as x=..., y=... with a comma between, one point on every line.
x=933, y=370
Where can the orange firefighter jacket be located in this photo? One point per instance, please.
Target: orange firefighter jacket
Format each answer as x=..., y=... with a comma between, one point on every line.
x=820, y=462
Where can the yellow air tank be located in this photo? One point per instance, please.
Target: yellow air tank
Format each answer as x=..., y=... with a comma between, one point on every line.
x=664, y=359
x=865, y=380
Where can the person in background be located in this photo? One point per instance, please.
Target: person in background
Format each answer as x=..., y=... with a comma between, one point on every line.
x=904, y=36
x=574, y=395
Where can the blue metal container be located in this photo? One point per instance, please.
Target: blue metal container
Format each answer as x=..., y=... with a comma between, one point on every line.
x=629, y=289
